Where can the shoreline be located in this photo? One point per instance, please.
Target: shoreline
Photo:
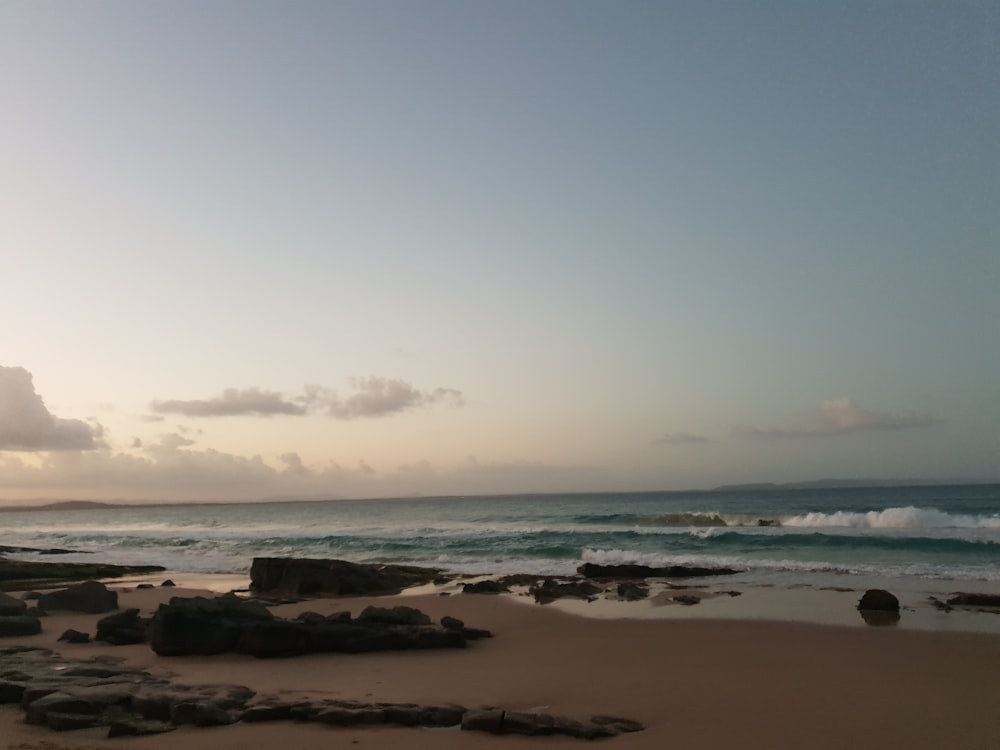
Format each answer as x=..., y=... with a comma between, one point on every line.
x=694, y=683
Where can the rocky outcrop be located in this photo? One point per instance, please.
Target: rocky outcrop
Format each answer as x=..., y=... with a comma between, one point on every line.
x=592, y=570
x=485, y=587
x=21, y=574
x=122, y=628
x=68, y=694
x=227, y=623
x=284, y=576
x=91, y=597
x=974, y=600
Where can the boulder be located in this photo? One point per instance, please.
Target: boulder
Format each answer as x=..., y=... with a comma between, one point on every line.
x=74, y=636
x=489, y=720
x=199, y=625
x=11, y=607
x=592, y=570
x=91, y=597
x=878, y=600
x=394, y=616
x=122, y=628
x=20, y=625
x=297, y=577
x=631, y=592
x=550, y=590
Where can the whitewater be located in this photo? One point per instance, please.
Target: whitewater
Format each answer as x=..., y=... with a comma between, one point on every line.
x=935, y=537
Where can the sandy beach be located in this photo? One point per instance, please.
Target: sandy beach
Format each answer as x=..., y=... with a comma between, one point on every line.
x=693, y=683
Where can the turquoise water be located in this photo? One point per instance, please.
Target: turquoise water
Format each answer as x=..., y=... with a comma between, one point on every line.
x=918, y=533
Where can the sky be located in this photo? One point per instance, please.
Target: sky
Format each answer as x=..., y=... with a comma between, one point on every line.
x=261, y=250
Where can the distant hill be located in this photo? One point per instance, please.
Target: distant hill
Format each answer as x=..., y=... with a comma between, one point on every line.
x=63, y=505
x=833, y=484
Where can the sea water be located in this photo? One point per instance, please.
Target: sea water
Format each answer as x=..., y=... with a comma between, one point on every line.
x=923, y=538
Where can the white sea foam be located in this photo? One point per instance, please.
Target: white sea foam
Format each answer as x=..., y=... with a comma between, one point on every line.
x=909, y=517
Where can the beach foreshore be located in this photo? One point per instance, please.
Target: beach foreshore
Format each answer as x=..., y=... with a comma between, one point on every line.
x=693, y=683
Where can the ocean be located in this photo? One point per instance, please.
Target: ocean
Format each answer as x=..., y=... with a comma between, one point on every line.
x=933, y=538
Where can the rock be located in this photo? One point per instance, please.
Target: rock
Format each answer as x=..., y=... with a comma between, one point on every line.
x=91, y=597
x=632, y=592
x=592, y=570
x=349, y=717
x=394, y=616
x=200, y=625
x=143, y=586
x=622, y=725
x=451, y=623
x=277, y=638
x=441, y=716
x=168, y=583
x=122, y=628
x=550, y=590
x=11, y=607
x=11, y=691
x=60, y=702
x=20, y=625
x=131, y=727
x=516, y=722
x=878, y=600
x=686, y=599
x=60, y=721
x=74, y=636
x=485, y=587
x=298, y=577
x=403, y=714
x=490, y=720
x=974, y=600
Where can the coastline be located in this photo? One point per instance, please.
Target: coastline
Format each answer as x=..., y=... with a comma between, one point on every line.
x=693, y=681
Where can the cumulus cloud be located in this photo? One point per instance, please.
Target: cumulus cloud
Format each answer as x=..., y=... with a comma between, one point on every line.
x=372, y=396
x=679, y=438
x=840, y=416
x=380, y=397
x=27, y=425
x=233, y=402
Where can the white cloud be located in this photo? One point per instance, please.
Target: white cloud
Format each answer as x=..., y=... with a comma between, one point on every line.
x=373, y=396
x=27, y=425
x=837, y=417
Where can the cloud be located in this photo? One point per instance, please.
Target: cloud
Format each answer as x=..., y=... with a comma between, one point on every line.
x=373, y=396
x=838, y=417
x=380, y=397
x=233, y=402
x=679, y=438
x=27, y=425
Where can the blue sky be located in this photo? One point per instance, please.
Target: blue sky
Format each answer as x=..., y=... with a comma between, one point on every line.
x=366, y=249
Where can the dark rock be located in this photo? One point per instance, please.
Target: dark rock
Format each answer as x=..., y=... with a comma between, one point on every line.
x=632, y=592
x=441, y=716
x=132, y=727
x=11, y=691
x=622, y=725
x=394, y=616
x=122, y=628
x=268, y=639
x=938, y=604
x=451, y=623
x=550, y=590
x=168, y=583
x=516, y=722
x=405, y=714
x=485, y=587
x=473, y=634
x=878, y=600
x=91, y=597
x=20, y=625
x=271, y=712
x=142, y=586
x=592, y=570
x=349, y=717
x=74, y=636
x=11, y=607
x=60, y=721
x=686, y=599
x=60, y=702
x=312, y=618
x=878, y=617
x=298, y=577
x=490, y=720
x=200, y=625
x=974, y=600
